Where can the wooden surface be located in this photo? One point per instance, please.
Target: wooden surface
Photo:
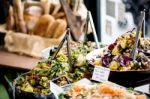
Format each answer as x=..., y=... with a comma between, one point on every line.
x=12, y=60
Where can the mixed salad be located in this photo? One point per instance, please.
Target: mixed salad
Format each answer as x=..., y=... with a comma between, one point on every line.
x=117, y=55
x=37, y=80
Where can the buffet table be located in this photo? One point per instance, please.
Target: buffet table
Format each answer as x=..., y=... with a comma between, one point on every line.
x=12, y=60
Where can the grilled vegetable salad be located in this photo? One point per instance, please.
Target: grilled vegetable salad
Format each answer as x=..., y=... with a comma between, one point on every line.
x=117, y=54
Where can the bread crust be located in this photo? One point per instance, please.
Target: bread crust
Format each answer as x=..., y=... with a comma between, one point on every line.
x=10, y=19
x=18, y=13
x=42, y=25
x=57, y=28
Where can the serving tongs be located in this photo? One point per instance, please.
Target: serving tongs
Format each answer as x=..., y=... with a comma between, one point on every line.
x=66, y=38
x=143, y=24
x=89, y=19
x=139, y=27
x=86, y=28
x=59, y=46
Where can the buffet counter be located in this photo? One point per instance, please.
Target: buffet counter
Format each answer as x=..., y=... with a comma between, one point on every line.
x=12, y=60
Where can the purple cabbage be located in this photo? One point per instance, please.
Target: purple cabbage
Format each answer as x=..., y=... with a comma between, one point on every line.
x=106, y=60
x=111, y=46
x=146, y=52
x=124, y=60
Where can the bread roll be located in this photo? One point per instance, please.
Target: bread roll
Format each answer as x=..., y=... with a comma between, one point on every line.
x=10, y=19
x=30, y=21
x=18, y=13
x=49, y=34
x=46, y=6
x=34, y=11
x=31, y=16
x=59, y=15
x=42, y=25
x=56, y=9
x=57, y=28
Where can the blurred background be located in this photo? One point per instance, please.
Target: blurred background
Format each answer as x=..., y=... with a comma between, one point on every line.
x=111, y=17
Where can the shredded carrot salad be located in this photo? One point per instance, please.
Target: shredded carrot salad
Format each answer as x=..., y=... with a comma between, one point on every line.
x=102, y=91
